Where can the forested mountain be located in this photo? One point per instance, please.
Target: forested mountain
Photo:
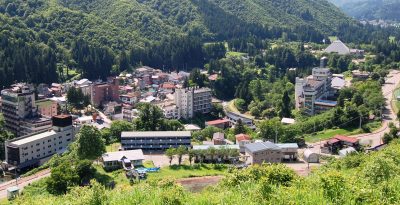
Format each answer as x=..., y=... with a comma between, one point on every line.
x=41, y=39
x=370, y=9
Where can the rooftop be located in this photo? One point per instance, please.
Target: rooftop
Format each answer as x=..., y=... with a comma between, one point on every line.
x=25, y=140
x=156, y=134
x=242, y=137
x=288, y=145
x=346, y=139
x=119, y=156
x=217, y=122
x=260, y=146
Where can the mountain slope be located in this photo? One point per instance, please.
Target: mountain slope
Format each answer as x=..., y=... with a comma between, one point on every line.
x=121, y=23
x=370, y=9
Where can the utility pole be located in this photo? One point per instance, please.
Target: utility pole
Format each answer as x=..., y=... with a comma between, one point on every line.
x=276, y=134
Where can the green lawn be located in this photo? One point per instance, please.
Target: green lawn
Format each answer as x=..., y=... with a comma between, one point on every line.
x=392, y=38
x=234, y=54
x=395, y=102
x=333, y=38
x=187, y=171
x=326, y=134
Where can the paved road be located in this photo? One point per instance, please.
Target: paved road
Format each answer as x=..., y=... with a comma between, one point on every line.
x=388, y=88
x=22, y=182
x=375, y=138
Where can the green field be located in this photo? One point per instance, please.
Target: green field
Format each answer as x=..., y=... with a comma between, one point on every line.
x=326, y=134
x=187, y=171
x=235, y=54
x=333, y=38
x=395, y=102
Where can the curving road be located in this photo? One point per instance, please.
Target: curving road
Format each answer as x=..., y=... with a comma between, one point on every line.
x=375, y=138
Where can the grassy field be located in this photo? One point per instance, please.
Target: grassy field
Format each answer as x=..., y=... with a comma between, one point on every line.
x=333, y=38
x=392, y=38
x=326, y=134
x=187, y=171
x=234, y=54
x=395, y=102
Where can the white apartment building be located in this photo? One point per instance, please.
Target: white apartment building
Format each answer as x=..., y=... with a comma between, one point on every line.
x=34, y=150
x=192, y=100
x=312, y=93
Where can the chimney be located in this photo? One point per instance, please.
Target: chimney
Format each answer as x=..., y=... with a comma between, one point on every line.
x=323, y=62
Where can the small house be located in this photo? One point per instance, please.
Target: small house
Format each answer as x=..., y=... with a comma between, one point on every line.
x=219, y=138
x=12, y=192
x=122, y=159
x=241, y=140
x=221, y=123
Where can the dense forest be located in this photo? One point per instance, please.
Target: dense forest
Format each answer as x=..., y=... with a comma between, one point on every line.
x=370, y=9
x=41, y=40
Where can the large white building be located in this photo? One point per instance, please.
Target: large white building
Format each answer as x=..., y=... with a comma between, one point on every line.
x=34, y=150
x=312, y=93
x=192, y=100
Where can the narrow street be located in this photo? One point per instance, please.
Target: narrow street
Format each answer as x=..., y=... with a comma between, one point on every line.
x=22, y=182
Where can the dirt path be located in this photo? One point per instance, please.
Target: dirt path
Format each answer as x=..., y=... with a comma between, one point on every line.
x=196, y=184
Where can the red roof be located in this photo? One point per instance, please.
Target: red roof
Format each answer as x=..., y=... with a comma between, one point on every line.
x=213, y=77
x=242, y=137
x=217, y=122
x=333, y=141
x=346, y=139
x=168, y=86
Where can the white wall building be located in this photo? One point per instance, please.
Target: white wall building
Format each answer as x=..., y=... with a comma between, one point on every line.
x=193, y=100
x=32, y=150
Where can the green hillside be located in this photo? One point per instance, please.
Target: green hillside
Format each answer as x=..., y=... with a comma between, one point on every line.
x=122, y=23
x=356, y=179
x=371, y=9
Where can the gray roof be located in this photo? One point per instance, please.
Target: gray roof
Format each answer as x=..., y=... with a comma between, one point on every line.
x=338, y=83
x=28, y=139
x=118, y=156
x=156, y=134
x=338, y=47
x=261, y=146
x=288, y=145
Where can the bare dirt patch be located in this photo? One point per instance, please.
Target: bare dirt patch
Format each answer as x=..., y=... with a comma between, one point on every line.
x=196, y=184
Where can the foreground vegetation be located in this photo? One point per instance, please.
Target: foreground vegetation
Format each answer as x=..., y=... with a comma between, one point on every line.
x=357, y=179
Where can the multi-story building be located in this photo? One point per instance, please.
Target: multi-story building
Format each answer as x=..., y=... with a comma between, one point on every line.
x=129, y=114
x=312, y=93
x=105, y=92
x=20, y=112
x=192, y=100
x=34, y=150
x=155, y=141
